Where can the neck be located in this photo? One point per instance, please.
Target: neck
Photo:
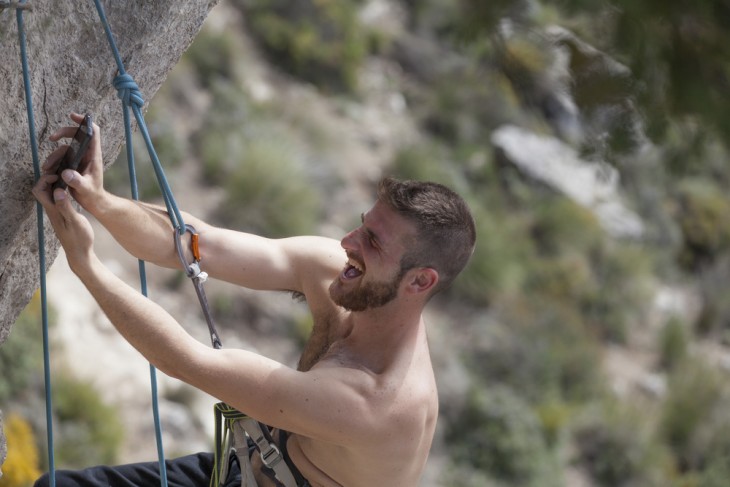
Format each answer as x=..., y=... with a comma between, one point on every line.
x=378, y=337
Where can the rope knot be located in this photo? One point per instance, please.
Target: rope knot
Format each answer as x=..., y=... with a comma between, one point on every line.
x=128, y=91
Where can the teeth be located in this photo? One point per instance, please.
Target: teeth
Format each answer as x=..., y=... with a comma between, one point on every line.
x=355, y=265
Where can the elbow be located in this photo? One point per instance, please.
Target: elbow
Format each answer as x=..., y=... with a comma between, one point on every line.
x=169, y=368
x=188, y=367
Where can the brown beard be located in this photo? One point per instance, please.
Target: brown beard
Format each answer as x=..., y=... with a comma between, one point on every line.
x=369, y=295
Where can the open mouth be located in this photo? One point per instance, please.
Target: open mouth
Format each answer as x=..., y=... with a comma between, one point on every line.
x=352, y=270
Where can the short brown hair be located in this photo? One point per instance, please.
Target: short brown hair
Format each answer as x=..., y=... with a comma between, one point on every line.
x=445, y=230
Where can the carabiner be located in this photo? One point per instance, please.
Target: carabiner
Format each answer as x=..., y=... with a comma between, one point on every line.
x=192, y=270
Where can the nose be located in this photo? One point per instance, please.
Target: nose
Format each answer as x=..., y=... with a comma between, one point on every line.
x=349, y=241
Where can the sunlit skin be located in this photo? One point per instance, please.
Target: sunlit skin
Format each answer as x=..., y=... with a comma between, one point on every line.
x=362, y=406
x=358, y=288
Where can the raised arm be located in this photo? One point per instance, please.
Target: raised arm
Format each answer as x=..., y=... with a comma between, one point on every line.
x=145, y=231
x=318, y=403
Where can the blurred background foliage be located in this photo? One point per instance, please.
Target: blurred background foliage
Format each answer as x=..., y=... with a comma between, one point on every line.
x=551, y=304
x=87, y=429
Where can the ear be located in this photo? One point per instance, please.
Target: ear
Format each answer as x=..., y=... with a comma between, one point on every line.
x=421, y=280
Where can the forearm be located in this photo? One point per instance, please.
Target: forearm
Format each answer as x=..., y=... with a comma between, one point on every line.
x=143, y=323
x=144, y=230
x=167, y=346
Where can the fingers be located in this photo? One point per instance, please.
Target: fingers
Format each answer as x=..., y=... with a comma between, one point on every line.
x=54, y=159
x=73, y=179
x=43, y=190
x=63, y=133
x=93, y=160
x=56, y=203
x=50, y=201
x=93, y=152
x=69, y=131
x=85, y=184
x=76, y=117
x=63, y=205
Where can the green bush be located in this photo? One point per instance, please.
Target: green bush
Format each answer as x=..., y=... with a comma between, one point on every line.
x=567, y=278
x=695, y=421
x=673, y=343
x=218, y=147
x=89, y=431
x=320, y=41
x=268, y=187
x=269, y=192
x=555, y=418
x=543, y=351
x=616, y=447
x=498, y=434
x=524, y=59
x=621, y=292
x=561, y=225
x=716, y=474
x=426, y=162
x=21, y=358
x=714, y=318
x=212, y=56
x=484, y=102
x=703, y=214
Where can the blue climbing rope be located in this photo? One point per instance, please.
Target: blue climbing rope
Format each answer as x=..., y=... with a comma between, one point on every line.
x=131, y=97
x=41, y=244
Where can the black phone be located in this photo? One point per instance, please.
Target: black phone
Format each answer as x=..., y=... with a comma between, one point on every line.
x=75, y=150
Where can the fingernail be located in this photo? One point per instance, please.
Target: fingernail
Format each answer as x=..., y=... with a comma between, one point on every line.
x=67, y=176
x=59, y=195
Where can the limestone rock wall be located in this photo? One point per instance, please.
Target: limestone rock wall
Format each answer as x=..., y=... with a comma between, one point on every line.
x=72, y=69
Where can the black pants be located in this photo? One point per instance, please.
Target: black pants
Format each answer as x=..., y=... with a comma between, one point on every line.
x=188, y=471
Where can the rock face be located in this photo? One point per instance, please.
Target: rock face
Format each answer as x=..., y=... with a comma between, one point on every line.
x=71, y=69
x=593, y=185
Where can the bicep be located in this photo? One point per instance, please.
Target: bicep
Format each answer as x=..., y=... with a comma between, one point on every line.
x=268, y=264
x=327, y=404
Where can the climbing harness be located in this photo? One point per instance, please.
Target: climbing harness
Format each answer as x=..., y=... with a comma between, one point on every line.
x=237, y=433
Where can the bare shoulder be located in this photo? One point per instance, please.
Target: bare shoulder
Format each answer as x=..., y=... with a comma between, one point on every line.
x=315, y=262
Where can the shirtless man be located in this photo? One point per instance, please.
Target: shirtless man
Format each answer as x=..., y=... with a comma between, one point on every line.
x=362, y=407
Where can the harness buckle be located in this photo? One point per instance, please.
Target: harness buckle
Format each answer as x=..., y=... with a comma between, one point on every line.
x=274, y=452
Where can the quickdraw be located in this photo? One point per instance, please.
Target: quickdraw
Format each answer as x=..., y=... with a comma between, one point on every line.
x=228, y=419
x=193, y=271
